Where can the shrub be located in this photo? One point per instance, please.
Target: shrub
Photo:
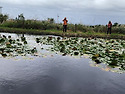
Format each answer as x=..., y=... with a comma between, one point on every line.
x=100, y=28
x=120, y=30
x=21, y=22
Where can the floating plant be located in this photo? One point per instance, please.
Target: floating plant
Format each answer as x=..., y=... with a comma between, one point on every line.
x=108, y=51
x=15, y=47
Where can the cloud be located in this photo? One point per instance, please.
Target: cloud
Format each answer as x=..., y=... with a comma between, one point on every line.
x=71, y=4
x=97, y=7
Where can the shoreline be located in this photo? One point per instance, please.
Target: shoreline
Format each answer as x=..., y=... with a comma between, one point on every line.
x=62, y=34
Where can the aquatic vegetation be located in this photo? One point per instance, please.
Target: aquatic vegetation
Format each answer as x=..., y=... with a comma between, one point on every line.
x=15, y=47
x=107, y=51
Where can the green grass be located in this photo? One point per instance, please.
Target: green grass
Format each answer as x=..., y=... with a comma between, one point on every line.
x=60, y=33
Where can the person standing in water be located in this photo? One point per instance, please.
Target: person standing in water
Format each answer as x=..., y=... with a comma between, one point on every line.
x=109, y=27
x=65, y=24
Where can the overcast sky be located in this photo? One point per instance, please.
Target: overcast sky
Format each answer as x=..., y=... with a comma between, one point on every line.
x=77, y=11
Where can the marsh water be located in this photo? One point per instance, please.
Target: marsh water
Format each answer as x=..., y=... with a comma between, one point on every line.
x=53, y=73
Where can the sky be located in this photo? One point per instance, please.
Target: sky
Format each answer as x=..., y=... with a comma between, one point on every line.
x=88, y=12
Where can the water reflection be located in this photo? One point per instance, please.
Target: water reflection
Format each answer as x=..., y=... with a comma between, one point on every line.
x=56, y=74
x=109, y=52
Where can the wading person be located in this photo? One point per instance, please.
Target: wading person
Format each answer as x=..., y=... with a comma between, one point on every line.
x=109, y=27
x=65, y=24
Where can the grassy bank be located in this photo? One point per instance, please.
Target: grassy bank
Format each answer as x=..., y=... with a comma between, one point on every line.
x=60, y=33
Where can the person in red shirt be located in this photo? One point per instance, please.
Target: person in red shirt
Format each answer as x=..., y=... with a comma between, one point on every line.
x=65, y=24
x=109, y=27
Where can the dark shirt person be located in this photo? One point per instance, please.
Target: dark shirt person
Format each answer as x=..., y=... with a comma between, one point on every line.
x=65, y=24
x=109, y=27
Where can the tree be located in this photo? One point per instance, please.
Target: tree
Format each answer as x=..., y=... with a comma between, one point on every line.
x=51, y=20
x=3, y=18
x=20, y=20
x=21, y=17
x=115, y=24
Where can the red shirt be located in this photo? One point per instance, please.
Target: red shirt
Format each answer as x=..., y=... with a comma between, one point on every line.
x=109, y=25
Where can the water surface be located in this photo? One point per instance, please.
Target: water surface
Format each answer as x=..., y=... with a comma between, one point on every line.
x=56, y=74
